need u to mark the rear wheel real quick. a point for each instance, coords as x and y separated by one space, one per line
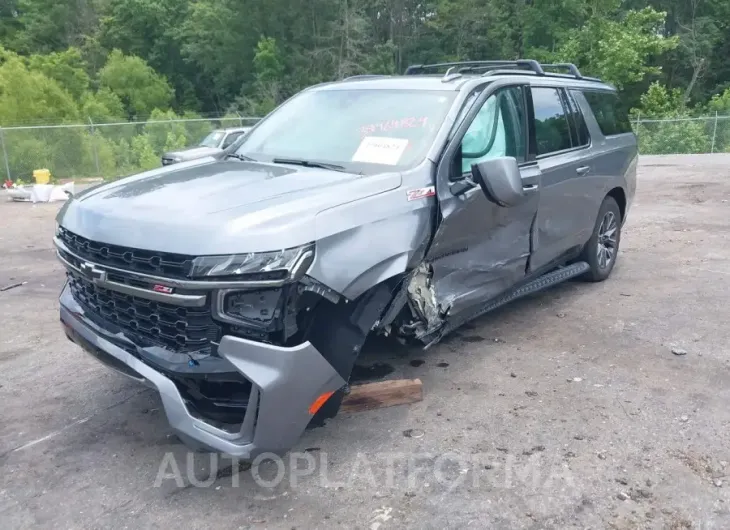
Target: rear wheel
601 250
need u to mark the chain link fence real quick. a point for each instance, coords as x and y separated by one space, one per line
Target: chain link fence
113 150
106 150
683 135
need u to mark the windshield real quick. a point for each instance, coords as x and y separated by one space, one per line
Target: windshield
212 140
364 131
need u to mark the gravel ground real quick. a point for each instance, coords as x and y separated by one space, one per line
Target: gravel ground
565 410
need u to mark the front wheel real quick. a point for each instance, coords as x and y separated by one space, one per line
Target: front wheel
601 250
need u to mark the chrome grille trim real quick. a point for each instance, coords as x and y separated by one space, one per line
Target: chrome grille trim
185 284
183 300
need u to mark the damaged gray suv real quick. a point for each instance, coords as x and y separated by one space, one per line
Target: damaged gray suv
242 286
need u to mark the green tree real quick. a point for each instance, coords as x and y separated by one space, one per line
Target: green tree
103 106
719 106
67 68
137 85
30 97
164 124
670 129
52 25
147 29
218 41
619 50
143 154
661 102
264 93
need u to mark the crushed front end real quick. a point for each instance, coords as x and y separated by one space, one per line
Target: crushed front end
228 341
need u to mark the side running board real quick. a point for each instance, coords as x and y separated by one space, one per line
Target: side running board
536 285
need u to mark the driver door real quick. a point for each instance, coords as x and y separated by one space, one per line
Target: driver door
480 249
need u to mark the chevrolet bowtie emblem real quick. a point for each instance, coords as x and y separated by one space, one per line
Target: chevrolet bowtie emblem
92 272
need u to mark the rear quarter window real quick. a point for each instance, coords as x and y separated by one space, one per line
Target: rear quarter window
610 112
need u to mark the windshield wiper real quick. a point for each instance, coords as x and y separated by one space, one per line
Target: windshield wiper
309 163
242 158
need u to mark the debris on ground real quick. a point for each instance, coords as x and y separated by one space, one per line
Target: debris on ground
382 394
413 433
12 286
679 351
641 494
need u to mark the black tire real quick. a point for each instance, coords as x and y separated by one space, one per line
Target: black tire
601 251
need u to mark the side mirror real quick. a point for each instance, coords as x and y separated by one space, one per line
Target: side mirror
500 180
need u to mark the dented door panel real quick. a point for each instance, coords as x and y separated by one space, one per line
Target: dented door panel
480 249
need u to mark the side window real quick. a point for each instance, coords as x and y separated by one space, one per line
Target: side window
552 130
230 139
610 113
581 138
497 130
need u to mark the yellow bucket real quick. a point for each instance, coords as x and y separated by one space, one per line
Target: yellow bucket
41 176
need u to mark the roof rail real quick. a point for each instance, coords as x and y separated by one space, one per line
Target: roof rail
466 66
501 67
572 69
507 71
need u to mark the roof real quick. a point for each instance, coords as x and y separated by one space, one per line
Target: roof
430 82
466 75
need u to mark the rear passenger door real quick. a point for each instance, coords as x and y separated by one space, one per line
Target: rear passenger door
563 155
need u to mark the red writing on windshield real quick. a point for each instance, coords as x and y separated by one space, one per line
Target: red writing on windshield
390 125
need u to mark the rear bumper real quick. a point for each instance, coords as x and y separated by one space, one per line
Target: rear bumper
285 382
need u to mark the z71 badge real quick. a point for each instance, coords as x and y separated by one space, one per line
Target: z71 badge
421 193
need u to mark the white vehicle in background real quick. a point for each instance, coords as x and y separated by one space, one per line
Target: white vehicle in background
212 144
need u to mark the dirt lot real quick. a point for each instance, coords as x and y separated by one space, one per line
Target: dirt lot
566 410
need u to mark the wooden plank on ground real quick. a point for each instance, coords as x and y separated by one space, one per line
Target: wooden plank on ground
382 394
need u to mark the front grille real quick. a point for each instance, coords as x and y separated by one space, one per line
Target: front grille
147 322
164 264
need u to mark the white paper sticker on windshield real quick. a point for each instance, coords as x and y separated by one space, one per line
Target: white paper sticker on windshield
380 150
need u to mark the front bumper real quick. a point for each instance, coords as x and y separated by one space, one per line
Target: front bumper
285 383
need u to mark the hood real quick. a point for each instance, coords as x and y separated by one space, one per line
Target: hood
208 206
192 153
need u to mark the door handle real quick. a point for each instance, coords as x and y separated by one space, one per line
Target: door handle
529 187
583 170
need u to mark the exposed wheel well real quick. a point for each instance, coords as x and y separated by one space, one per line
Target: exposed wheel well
619 196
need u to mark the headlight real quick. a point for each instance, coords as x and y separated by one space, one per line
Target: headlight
256 266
